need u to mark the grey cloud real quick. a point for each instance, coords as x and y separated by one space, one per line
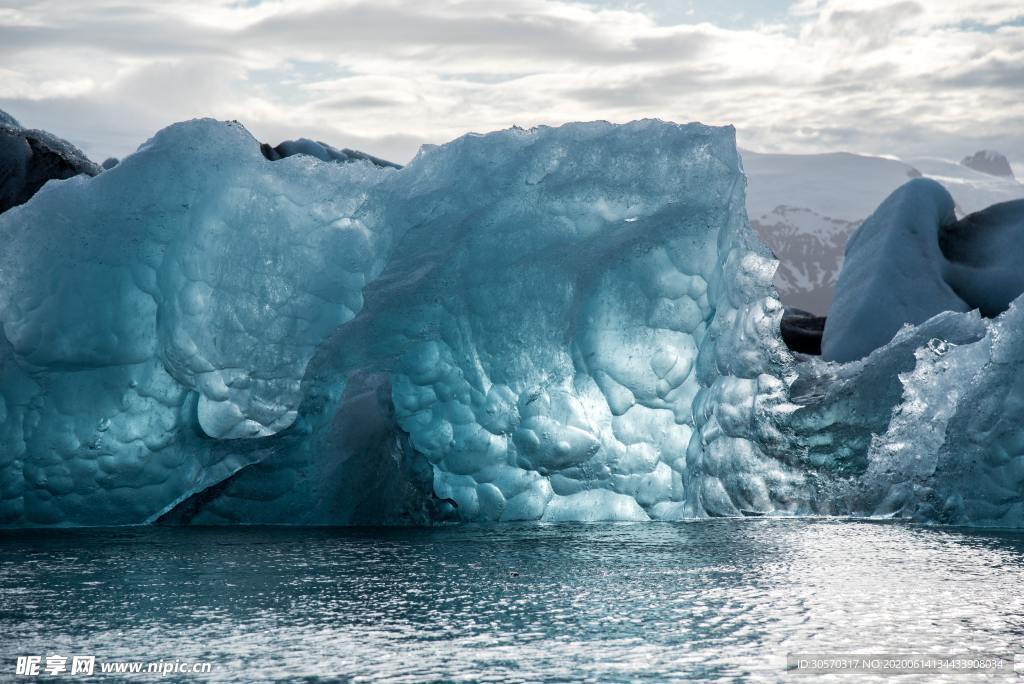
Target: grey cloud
868 29
849 79
135 33
404 34
992 72
361 102
672 46
662 88
410 33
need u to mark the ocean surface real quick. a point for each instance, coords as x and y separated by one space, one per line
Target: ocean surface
718 600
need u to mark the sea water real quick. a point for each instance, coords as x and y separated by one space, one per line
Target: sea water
722 599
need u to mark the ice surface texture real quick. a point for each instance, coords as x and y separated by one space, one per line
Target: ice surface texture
173 299
569 323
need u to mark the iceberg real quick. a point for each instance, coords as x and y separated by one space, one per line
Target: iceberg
561 323
167 304
571 323
952 451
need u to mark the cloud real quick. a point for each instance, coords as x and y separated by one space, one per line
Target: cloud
867 29
990 71
876 76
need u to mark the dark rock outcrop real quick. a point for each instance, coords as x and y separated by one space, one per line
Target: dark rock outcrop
29 158
802 331
322 151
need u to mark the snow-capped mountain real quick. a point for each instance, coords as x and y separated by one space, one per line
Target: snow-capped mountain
806 206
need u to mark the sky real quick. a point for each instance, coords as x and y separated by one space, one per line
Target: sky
908 78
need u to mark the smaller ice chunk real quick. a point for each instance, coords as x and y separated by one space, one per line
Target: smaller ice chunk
893 273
